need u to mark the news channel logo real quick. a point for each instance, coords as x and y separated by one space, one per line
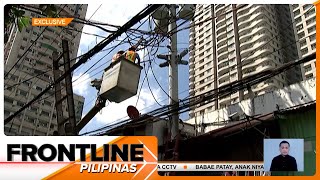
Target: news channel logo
283 155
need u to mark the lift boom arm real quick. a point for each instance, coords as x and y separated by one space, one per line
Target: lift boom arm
100 104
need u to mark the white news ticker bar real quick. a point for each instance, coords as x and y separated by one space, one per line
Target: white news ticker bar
210 167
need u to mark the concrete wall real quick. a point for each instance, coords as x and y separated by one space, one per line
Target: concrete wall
293 95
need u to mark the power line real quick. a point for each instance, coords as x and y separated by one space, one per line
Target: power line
227 89
71 59
108 125
165 108
146 11
61 54
38 75
35 76
27 51
150 88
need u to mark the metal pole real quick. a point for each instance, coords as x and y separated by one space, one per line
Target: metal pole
69 90
57 87
173 73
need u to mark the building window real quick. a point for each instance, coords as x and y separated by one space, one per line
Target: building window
304 51
313 46
23 93
8 100
34 109
21 104
298 20
312 29
309 13
312 37
233 75
45 113
297 12
307 68
48 103
310 21
303 43
307 6
309 76
299 27
294 6
39 88
26 83
301 35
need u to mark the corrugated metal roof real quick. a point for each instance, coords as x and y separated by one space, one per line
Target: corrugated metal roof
299 107
236 126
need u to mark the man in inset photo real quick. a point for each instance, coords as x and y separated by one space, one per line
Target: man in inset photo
284 162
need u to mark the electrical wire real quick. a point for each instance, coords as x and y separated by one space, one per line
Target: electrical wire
274 51
194 99
45 51
27 51
145 12
39 75
118 120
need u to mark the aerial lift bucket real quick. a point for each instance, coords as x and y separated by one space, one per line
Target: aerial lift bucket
120 81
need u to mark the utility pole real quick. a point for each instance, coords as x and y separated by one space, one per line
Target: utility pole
173 72
173 60
57 92
70 101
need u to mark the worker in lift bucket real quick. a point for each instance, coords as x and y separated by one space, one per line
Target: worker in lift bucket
132 55
117 56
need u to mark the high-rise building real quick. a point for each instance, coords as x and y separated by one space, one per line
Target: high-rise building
237 41
304 16
33 73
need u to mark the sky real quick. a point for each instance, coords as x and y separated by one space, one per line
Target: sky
110 13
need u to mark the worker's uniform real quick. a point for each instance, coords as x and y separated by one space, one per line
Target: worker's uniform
132 56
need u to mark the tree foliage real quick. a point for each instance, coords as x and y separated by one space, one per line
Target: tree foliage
15 15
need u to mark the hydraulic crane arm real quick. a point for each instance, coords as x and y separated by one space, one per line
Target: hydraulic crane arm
100 104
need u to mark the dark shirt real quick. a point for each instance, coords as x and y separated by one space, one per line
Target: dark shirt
284 163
